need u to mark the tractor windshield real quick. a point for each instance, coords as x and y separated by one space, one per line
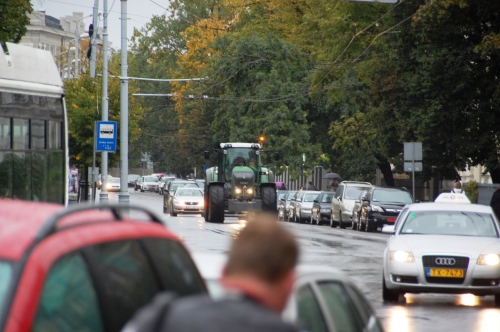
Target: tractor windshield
241 157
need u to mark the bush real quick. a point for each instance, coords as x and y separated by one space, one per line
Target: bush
470 189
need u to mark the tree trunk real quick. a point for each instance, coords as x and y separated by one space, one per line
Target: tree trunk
495 175
385 168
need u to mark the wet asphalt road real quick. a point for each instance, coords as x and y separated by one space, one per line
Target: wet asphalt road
359 255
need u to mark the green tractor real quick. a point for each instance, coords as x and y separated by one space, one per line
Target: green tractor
239 185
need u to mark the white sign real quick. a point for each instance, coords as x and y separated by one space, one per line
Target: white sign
107 131
452 198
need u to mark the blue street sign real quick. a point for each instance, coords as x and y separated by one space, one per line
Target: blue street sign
106 135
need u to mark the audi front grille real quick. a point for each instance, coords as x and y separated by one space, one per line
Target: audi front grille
450 262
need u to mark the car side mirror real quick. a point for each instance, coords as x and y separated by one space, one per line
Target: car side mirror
388 229
315 201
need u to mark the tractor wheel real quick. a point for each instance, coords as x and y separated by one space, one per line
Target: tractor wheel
216 204
205 205
268 195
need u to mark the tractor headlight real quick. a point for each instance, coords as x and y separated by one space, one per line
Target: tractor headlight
237 190
250 191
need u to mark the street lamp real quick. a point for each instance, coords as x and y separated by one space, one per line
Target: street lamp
76 48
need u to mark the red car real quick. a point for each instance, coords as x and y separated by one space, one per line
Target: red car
85 268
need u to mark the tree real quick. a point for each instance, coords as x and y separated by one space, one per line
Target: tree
14 15
83 100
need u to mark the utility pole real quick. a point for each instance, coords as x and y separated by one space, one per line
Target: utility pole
103 196
93 43
123 197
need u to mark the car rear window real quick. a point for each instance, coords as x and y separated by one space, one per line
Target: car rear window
5 278
151 179
310 197
392 196
353 192
327 198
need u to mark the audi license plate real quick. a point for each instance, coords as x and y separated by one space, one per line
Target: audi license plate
444 273
191 207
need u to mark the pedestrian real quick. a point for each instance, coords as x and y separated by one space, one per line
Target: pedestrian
310 186
334 185
457 188
258 278
301 188
495 202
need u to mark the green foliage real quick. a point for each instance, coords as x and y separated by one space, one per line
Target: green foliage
14 19
470 189
83 101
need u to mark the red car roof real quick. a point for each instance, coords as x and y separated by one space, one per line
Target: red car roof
20 222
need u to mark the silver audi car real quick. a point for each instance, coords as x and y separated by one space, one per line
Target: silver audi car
445 247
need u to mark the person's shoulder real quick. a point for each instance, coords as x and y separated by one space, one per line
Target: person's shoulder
230 313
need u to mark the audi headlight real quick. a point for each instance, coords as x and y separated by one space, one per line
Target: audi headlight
401 256
488 259
377 208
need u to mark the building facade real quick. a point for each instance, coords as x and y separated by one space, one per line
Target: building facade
59 36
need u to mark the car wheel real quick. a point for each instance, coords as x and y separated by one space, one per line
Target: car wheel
172 213
341 224
497 300
389 295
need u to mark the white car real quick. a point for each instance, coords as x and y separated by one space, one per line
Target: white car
443 248
149 183
187 201
323 298
112 184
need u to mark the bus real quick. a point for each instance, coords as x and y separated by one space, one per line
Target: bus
34 161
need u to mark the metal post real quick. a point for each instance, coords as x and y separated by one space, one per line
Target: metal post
93 163
68 66
77 49
413 172
94 38
103 196
123 197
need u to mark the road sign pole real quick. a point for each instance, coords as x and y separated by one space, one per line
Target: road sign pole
123 197
103 196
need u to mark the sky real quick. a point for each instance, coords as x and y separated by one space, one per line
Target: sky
139 13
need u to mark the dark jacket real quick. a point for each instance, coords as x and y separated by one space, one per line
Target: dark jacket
234 313
495 203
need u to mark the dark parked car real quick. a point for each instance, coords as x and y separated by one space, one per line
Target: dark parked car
291 208
85 268
168 193
131 179
280 194
381 206
138 183
284 204
322 208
